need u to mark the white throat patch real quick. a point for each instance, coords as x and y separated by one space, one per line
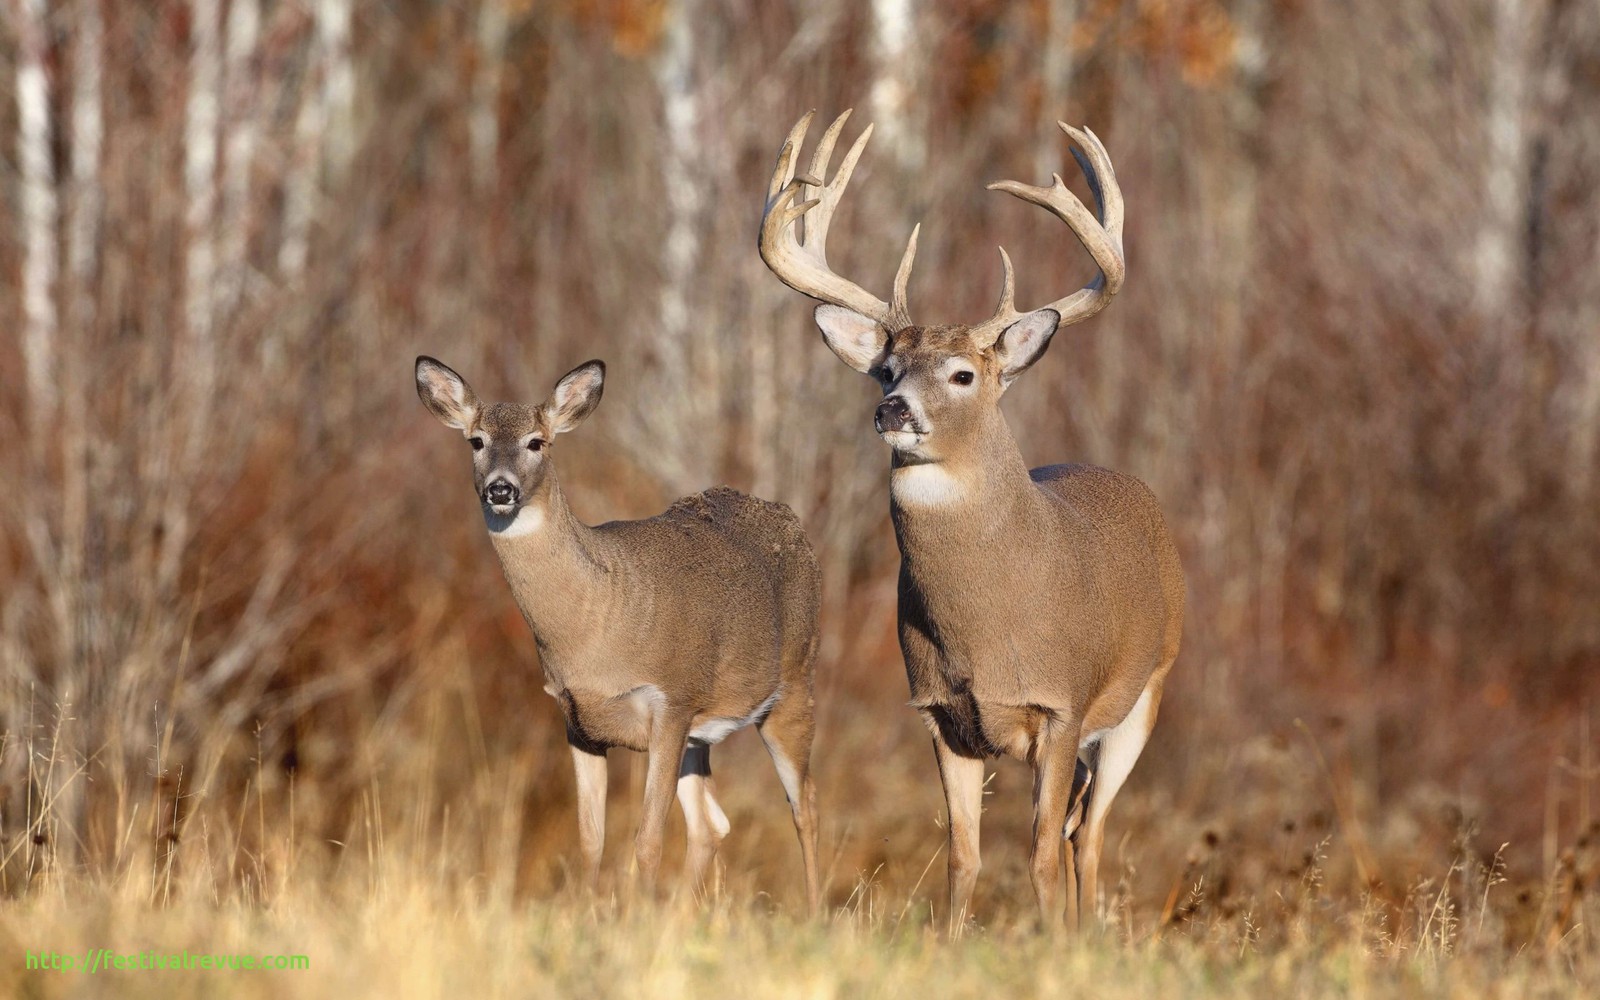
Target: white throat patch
925 485
527 521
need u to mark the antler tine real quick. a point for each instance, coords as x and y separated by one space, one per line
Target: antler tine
824 151
817 225
803 265
1005 313
788 156
1107 196
899 304
1101 236
830 193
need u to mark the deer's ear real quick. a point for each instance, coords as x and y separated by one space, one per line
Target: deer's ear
576 396
446 394
1024 342
858 340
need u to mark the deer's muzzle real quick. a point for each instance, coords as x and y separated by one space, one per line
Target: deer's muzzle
500 493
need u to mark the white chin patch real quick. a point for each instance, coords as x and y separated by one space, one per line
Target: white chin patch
926 485
901 440
525 522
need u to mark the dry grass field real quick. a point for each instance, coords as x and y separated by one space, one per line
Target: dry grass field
1265 890
1258 894
263 688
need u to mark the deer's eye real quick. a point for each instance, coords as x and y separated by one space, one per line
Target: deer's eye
477 443
961 378
535 445
884 375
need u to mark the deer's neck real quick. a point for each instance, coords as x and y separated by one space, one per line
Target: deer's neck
947 511
556 566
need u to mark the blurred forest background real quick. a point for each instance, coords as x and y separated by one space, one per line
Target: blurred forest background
245 587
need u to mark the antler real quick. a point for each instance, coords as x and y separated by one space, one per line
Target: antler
803 265
1102 237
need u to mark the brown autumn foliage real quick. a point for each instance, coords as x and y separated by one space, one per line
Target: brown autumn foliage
1356 358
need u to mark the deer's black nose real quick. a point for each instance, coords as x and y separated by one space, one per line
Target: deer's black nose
892 415
500 493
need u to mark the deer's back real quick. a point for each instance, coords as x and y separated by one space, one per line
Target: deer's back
765 538
725 580
709 608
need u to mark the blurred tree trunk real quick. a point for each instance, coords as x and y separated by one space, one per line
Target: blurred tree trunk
1056 76
893 94
321 131
194 377
41 332
689 361
1501 244
241 85
334 19
88 132
83 233
40 210
494 27
1501 293
202 117
1565 300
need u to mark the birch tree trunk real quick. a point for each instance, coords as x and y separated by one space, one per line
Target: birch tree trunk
242 84
1500 243
88 133
194 377
83 229
681 184
1056 75
40 212
894 84
483 125
333 30
202 114
325 107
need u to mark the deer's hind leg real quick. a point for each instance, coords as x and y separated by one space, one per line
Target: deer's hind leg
1118 751
1055 760
704 819
788 731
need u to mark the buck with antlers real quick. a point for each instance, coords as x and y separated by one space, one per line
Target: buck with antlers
1040 610
662 635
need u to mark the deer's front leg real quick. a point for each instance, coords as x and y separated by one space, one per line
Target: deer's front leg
963 794
591 772
669 732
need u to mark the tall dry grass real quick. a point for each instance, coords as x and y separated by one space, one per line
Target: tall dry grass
254 647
